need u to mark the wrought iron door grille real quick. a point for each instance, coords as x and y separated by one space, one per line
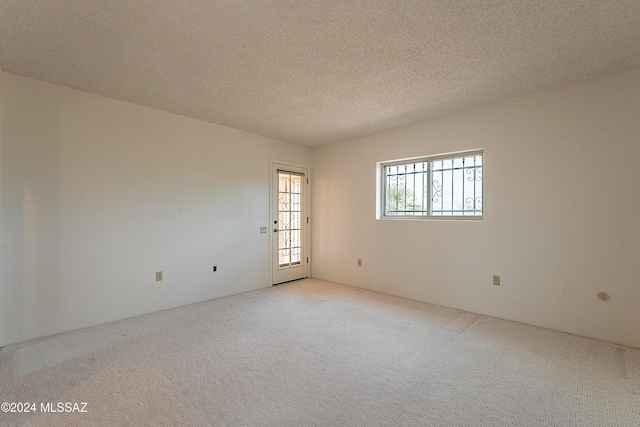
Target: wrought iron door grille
434 186
289 219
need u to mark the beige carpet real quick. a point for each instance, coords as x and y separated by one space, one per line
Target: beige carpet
312 353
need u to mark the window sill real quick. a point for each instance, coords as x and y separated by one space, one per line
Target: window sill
432 218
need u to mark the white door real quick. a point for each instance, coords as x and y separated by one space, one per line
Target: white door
289 231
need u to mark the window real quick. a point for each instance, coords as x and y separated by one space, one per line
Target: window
289 218
443 186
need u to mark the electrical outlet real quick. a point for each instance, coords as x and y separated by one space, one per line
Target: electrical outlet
603 296
359 262
215 268
566 290
263 229
158 276
496 280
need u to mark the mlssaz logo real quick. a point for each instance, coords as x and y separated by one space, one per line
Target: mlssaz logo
63 407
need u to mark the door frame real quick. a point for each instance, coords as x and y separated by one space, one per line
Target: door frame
273 207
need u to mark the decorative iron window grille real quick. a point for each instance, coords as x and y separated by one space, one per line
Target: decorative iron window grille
435 186
289 219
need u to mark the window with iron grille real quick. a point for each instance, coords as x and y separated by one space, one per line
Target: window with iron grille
443 186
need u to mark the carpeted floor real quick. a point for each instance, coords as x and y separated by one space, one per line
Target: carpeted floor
312 353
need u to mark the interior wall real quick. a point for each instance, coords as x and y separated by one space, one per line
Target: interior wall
561 181
96 195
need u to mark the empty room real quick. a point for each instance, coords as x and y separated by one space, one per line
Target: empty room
319 213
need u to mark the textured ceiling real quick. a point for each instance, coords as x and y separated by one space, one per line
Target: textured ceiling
316 72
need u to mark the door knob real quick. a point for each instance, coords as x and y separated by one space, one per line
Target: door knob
275 230
275 221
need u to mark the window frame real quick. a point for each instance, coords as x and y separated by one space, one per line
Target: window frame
381 184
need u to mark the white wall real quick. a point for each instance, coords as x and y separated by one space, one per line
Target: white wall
561 207
97 194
